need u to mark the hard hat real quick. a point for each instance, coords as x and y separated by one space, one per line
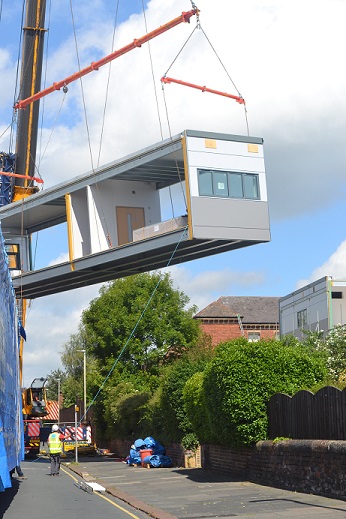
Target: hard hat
55 428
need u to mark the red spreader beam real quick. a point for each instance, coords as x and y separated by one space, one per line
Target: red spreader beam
166 79
38 180
184 17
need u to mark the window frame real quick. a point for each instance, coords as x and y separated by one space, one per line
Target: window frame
13 255
302 318
210 177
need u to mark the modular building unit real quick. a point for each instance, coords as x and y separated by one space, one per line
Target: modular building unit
194 195
319 306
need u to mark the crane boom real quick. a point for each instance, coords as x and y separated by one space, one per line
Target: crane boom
166 79
184 17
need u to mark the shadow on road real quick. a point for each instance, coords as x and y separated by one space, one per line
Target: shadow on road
7 497
208 476
315 505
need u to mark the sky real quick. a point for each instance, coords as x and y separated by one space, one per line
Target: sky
286 60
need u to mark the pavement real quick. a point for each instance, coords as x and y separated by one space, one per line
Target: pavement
168 493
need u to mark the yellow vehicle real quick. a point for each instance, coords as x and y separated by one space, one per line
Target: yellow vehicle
34 399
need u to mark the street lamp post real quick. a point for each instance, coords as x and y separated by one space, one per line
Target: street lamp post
58 402
84 381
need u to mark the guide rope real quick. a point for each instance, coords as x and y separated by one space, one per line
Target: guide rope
133 330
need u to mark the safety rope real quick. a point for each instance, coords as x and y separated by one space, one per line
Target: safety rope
108 83
87 128
198 26
133 330
82 86
44 84
181 50
168 118
17 86
176 162
223 66
152 74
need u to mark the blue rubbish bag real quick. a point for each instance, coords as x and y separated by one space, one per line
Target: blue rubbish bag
134 458
139 444
157 461
156 447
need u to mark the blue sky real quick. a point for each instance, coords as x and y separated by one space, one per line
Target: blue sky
285 58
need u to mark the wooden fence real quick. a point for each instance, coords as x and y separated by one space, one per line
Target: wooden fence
308 416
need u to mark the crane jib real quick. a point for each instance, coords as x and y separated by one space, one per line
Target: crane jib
184 17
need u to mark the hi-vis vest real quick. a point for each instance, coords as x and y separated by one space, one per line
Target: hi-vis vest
54 443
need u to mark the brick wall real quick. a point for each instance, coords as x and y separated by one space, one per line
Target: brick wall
221 331
122 449
309 466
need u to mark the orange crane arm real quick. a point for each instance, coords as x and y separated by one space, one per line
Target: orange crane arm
166 79
184 17
7 174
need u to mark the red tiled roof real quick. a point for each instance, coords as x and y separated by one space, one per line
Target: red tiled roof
251 309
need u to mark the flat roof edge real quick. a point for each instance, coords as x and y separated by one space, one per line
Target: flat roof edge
305 287
224 136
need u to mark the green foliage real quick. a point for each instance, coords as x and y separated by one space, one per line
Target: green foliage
335 344
174 419
142 319
123 404
72 383
196 407
127 415
52 383
243 376
190 442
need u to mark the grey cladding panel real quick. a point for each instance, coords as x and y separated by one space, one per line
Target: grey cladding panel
230 219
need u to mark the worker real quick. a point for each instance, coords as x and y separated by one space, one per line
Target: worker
55 448
19 471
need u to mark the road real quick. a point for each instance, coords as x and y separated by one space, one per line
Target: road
41 496
138 492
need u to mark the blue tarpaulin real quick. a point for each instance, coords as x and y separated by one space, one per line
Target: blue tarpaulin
11 418
156 460
158 457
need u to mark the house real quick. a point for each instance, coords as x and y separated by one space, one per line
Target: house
230 317
318 306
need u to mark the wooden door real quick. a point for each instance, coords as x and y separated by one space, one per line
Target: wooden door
128 219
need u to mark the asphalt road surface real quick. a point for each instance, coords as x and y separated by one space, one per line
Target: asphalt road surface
138 492
41 496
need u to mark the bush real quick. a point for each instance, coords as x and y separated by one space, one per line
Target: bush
195 406
168 404
242 377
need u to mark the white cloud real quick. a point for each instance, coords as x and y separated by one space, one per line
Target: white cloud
50 322
205 287
335 266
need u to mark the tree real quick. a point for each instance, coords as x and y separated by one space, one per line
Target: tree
72 358
335 343
241 378
141 319
52 384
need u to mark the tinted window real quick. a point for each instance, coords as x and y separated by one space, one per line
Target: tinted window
205 183
228 184
235 185
250 183
220 186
